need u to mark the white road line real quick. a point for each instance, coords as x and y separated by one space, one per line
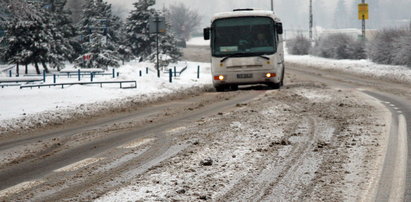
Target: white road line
136 144
396 108
392 105
399 182
79 165
20 187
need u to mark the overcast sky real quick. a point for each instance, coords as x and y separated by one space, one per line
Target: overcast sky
294 13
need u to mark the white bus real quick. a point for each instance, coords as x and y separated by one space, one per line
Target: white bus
246 48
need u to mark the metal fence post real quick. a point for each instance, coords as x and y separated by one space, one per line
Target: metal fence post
78 74
44 76
118 74
54 78
175 71
146 70
91 76
170 75
114 73
141 73
10 74
198 72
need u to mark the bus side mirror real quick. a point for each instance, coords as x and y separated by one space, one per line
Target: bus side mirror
279 27
206 33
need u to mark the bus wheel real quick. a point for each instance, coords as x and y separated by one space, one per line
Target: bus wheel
275 85
234 87
220 88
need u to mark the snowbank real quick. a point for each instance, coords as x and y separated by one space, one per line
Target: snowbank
361 67
23 104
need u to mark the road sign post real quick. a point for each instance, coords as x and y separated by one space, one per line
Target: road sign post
363 15
157 26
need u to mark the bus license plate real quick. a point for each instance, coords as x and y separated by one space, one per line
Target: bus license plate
244 76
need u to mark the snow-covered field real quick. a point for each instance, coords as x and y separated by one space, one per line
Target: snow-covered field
361 67
18 103
198 41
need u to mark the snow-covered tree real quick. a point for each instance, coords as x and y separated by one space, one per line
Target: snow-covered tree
402 50
124 49
137 29
380 48
391 46
300 45
339 46
36 35
61 41
99 30
22 39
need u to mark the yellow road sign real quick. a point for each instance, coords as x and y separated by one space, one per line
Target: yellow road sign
363 11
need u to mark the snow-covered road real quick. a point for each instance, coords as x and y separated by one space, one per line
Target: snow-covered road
319 138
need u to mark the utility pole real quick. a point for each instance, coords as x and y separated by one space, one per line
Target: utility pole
157 21
363 23
272 5
311 20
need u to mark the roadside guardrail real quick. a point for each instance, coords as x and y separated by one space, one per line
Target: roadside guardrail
122 83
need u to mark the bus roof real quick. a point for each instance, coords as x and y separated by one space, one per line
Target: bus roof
246 13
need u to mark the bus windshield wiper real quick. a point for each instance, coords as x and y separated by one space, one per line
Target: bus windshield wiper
233 55
265 57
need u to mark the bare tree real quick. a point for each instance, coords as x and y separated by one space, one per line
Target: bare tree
183 20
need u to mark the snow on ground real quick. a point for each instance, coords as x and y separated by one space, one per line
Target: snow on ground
18 103
198 41
361 67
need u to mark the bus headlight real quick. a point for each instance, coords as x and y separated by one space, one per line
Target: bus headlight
219 78
270 75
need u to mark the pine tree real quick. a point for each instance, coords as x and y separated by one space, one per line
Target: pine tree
36 35
23 36
61 41
137 29
340 17
100 41
124 49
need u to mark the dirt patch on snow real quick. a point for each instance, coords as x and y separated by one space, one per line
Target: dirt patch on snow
296 144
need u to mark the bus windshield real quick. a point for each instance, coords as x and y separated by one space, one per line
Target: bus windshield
243 36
